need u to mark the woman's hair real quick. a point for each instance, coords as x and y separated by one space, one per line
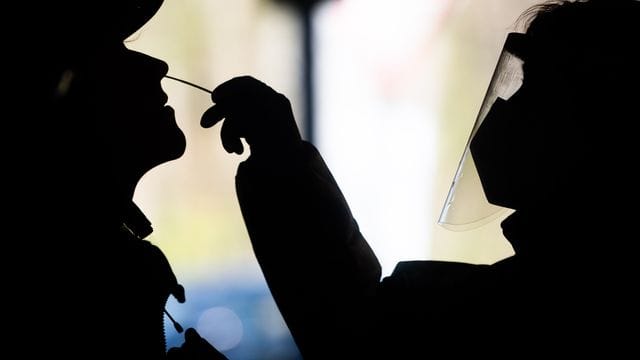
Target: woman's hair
523 22
596 33
585 56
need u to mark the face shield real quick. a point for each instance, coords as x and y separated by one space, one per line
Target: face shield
466 206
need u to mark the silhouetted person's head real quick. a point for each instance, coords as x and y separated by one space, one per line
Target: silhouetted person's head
105 114
565 137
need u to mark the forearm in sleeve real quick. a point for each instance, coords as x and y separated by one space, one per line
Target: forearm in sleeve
322 273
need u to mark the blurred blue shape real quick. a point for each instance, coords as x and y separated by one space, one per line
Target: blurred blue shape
263 332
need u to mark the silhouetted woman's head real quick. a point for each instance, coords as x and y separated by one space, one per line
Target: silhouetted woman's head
565 135
98 114
104 108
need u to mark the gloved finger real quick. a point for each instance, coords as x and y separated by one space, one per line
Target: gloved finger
196 344
191 335
175 354
212 116
237 88
230 135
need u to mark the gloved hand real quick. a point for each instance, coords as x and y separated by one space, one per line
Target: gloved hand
194 348
254 111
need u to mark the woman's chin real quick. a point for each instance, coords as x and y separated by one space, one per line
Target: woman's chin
175 142
172 148
180 146
175 148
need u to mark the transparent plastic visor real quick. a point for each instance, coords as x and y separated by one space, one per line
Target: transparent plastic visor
466 206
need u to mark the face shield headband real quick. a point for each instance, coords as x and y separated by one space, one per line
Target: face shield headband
466 206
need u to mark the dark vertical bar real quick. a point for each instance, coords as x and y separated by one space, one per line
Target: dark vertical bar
305 11
307 70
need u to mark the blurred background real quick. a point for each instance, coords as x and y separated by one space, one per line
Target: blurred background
388 90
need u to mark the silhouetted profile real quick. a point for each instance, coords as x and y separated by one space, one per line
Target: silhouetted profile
94 288
559 151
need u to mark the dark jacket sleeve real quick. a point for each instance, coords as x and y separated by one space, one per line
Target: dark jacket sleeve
322 273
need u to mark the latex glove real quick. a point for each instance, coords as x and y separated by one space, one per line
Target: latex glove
194 348
254 111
